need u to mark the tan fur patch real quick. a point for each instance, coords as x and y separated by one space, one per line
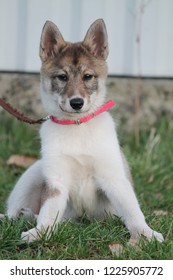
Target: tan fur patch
48 193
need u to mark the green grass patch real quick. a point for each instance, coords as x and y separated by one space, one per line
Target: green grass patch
151 164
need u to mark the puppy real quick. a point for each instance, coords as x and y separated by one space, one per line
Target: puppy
82 168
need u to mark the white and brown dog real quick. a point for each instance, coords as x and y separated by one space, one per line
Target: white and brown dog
82 168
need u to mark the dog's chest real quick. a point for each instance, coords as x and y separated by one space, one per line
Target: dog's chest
80 149
83 190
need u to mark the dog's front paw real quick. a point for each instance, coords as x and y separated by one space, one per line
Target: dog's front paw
150 234
159 237
147 232
30 235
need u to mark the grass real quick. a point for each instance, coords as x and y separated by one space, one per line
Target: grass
151 164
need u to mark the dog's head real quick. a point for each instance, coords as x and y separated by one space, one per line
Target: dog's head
73 74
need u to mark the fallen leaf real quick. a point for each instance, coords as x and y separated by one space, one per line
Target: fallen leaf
21 161
160 213
151 179
116 248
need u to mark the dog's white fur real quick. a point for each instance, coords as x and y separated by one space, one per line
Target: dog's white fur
82 169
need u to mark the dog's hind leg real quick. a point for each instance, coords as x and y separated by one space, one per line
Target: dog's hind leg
27 192
28 214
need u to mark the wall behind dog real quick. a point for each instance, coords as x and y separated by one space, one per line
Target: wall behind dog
140 32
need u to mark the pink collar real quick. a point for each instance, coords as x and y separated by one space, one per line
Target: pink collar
100 110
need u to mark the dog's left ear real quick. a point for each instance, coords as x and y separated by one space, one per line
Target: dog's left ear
51 41
96 39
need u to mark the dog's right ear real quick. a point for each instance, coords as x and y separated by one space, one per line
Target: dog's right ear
51 41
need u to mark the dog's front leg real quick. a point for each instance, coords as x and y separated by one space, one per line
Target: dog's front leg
50 215
118 189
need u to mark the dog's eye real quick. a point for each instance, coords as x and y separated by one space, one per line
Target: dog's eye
62 77
87 77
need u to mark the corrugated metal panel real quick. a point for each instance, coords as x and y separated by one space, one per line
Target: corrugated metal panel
21 22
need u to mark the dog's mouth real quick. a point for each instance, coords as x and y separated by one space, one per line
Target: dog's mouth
72 112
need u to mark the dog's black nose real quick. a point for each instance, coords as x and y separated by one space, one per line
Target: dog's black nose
77 103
